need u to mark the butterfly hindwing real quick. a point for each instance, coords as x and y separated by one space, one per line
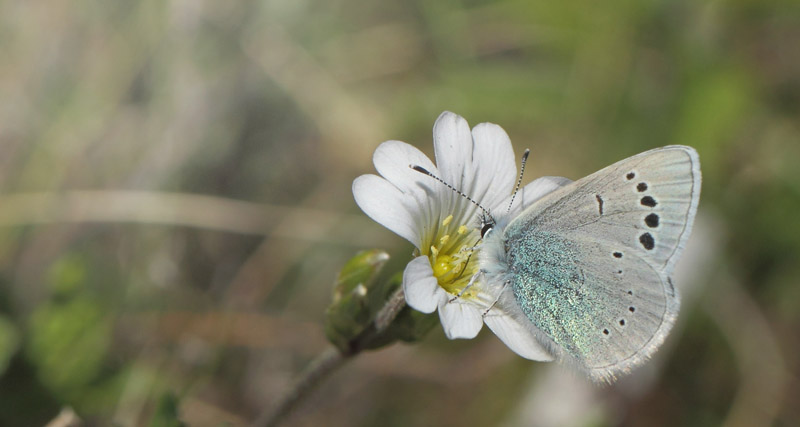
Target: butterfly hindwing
592 260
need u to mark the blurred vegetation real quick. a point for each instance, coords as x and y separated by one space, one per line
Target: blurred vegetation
175 200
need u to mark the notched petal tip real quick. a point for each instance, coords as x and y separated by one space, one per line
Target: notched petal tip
495 166
447 115
452 145
393 152
449 125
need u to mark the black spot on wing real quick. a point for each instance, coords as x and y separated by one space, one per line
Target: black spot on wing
648 201
651 220
647 240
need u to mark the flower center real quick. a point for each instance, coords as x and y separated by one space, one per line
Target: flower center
452 258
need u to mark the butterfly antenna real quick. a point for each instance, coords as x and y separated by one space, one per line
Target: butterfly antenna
519 181
424 171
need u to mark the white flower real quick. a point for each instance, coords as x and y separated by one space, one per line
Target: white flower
444 226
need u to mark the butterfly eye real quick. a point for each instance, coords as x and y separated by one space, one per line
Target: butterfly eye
487 227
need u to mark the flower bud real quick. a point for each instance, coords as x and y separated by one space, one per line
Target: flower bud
351 313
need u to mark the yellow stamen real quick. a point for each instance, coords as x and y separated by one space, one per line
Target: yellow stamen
447 220
451 258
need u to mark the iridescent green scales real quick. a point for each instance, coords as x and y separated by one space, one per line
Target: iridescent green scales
551 288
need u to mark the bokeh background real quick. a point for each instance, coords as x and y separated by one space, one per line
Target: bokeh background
175 200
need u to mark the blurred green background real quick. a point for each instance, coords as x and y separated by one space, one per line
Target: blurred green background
175 200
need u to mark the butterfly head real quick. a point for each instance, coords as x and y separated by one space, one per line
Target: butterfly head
487 224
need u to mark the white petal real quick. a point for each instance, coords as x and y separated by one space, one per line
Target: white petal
534 191
495 167
460 319
392 160
516 336
388 206
452 144
540 187
421 288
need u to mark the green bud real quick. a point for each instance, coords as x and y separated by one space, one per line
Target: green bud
358 297
351 312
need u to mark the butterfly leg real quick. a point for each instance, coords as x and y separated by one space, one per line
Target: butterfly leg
496 299
469 285
470 248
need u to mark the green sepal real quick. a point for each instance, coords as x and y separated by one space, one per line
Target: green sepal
409 326
351 311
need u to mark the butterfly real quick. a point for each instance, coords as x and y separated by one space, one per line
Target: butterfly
588 266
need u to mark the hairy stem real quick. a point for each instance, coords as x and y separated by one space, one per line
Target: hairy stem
328 361
325 364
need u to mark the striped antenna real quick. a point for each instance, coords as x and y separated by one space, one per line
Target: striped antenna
424 171
519 181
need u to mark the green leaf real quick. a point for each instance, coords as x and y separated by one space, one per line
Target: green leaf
166 413
68 342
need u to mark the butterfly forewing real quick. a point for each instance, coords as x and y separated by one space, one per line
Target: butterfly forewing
592 259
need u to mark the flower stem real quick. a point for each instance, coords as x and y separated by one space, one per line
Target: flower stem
328 361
